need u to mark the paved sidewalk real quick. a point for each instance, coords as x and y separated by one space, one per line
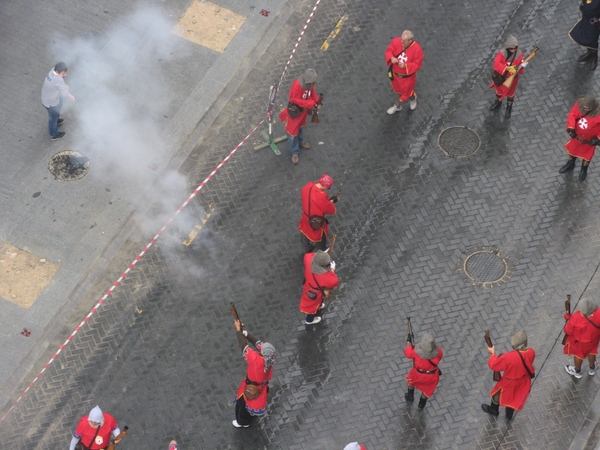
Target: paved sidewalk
143 99
162 356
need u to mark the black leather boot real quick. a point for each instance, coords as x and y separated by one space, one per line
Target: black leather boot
587 55
509 413
496 105
594 60
410 395
584 168
570 165
491 409
508 112
422 402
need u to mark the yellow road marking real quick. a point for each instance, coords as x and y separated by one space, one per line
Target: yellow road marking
198 227
334 33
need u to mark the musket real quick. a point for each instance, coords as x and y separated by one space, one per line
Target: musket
315 110
488 341
568 311
329 251
336 195
236 316
510 78
411 336
121 435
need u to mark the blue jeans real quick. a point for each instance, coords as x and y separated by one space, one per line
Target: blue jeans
53 115
295 142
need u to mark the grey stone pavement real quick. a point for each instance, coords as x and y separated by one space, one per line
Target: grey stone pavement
161 355
130 76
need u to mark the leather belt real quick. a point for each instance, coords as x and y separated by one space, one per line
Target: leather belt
427 372
248 381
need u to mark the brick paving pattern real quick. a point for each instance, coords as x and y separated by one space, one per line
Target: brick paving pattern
161 355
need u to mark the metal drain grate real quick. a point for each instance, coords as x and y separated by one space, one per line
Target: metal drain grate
69 165
459 142
485 267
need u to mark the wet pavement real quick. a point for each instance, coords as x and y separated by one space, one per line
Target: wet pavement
493 240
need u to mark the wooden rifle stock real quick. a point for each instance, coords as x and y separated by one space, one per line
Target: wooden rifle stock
235 315
488 341
315 110
510 78
329 251
568 311
121 435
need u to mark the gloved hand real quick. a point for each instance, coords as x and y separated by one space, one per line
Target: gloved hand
511 69
524 64
571 132
595 141
408 338
332 265
567 316
334 200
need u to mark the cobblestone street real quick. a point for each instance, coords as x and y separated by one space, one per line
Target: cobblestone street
161 354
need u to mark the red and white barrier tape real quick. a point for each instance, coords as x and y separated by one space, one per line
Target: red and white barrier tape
310 16
154 239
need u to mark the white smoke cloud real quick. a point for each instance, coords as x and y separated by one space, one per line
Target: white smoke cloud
120 81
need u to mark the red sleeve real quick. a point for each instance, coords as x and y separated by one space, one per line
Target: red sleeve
409 351
571 325
415 58
496 363
574 114
322 202
518 61
327 280
283 115
81 426
394 49
500 63
296 93
111 421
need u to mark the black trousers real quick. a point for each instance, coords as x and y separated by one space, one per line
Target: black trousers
242 415
309 246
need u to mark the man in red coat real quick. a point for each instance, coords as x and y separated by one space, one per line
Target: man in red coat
404 56
313 225
508 61
425 374
319 280
302 98
583 125
517 366
583 336
94 430
251 398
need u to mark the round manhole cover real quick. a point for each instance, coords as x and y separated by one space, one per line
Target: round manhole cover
485 267
459 142
69 165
